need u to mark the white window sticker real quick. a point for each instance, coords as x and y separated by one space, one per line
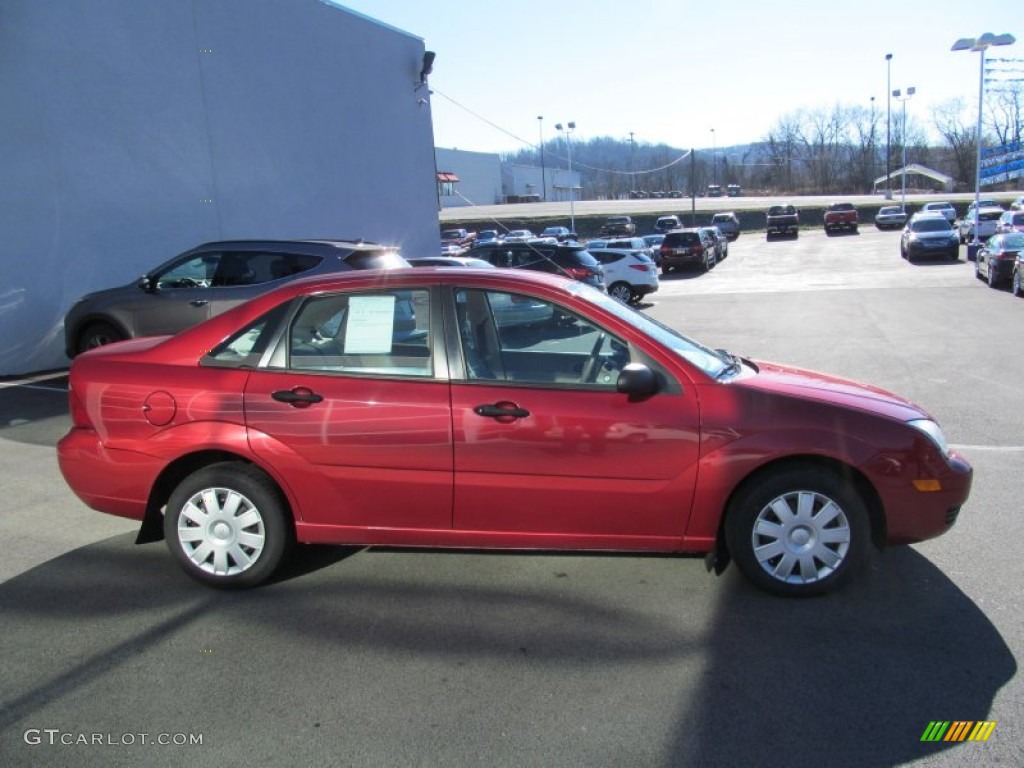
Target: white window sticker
371 322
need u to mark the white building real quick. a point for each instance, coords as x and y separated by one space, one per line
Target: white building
131 131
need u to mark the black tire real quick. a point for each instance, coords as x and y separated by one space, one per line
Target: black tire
992 281
248 541
98 334
815 555
621 291
977 270
1018 284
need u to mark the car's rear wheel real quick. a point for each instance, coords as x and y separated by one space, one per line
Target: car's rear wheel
621 291
97 335
991 277
1018 288
227 525
800 532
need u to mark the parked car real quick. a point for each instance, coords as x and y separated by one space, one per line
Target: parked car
629 275
989 212
1010 221
782 220
1017 204
561 234
291 417
460 237
998 257
1017 283
518 236
448 261
207 280
665 223
618 225
727 222
839 216
691 247
929 234
487 236
890 217
566 259
721 242
946 209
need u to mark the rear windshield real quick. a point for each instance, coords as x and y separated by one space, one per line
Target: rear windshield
721 217
781 210
382 259
681 237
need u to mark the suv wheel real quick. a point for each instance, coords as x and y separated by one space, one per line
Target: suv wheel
621 291
97 335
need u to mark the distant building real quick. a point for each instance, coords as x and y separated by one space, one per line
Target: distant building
480 178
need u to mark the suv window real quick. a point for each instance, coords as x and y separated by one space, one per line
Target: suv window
382 259
781 210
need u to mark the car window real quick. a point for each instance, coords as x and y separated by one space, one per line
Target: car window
936 224
245 348
560 349
379 333
382 259
190 272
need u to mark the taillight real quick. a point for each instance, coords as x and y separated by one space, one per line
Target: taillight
639 267
579 273
79 416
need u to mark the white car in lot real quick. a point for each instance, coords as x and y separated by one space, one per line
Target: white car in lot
989 212
946 209
629 274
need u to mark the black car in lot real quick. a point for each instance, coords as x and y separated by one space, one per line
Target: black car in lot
998 258
207 280
566 259
929 235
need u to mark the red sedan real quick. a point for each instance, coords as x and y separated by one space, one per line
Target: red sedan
400 408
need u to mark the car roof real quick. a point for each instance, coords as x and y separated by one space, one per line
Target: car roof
353 243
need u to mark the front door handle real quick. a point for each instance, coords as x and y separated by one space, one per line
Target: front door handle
504 411
298 397
199 302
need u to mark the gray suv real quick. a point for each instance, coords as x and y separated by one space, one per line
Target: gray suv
208 280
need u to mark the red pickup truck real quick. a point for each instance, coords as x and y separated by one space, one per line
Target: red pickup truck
841 216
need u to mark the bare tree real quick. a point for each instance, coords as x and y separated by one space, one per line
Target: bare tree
949 120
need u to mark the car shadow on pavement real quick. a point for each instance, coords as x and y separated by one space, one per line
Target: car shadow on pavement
712 671
852 679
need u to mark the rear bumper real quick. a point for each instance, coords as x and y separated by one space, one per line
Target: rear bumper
108 480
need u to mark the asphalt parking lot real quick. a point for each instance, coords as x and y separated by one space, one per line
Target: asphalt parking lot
383 657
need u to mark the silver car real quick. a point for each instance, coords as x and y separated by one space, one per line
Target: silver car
206 281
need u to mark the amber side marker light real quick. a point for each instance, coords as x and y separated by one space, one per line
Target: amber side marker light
928 486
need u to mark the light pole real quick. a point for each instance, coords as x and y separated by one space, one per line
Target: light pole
980 44
543 176
871 145
903 140
714 158
567 132
632 165
888 125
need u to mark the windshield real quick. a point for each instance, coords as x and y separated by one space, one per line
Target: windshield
707 360
931 225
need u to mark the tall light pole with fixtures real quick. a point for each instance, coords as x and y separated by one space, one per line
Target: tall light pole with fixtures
903 139
888 125
980 45
567 132
543 175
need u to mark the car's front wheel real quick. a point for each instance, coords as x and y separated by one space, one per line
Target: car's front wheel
228 526
1018 288
797 533
621 291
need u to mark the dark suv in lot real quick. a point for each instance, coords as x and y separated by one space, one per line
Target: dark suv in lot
692 247
566 259
618 225
208 280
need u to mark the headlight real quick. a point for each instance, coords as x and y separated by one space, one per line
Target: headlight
934 433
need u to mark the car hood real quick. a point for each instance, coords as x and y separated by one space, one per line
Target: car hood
821 387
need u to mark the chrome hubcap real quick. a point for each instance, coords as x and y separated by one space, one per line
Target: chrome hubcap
801 537
221 531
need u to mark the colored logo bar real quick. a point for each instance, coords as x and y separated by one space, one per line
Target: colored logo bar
958 730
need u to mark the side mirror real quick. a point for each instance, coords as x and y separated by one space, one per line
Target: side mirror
146 283
637 380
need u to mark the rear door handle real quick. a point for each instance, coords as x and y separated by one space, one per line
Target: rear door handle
199 302
298 397
504 411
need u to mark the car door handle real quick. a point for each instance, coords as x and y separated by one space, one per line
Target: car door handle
503 411
199 302
299 397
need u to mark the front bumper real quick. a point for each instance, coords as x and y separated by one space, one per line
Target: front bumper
913 515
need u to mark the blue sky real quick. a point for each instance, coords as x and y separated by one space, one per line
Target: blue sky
672 70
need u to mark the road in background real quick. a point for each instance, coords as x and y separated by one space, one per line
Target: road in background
380 657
